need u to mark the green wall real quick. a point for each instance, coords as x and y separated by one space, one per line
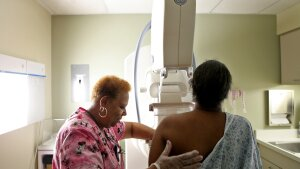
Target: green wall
25 32
102 41
247 44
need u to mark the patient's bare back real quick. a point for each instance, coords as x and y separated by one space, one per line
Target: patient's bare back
198 130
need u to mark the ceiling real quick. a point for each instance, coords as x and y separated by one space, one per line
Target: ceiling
87 7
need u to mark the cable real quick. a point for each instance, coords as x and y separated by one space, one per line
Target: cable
146 29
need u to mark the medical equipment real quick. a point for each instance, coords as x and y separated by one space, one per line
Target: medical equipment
25 79
160 73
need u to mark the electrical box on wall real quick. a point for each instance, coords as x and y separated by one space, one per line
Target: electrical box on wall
80 82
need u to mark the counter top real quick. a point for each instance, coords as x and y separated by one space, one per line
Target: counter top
264 137
47 145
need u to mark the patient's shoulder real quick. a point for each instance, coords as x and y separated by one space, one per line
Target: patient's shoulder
238 122
242 120
168 121
172 122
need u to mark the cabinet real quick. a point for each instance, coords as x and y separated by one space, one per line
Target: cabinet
290 57
268 165
271 159
45 150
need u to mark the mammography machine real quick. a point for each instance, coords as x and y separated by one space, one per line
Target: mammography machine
160 73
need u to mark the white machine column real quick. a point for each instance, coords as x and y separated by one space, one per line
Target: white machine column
172 37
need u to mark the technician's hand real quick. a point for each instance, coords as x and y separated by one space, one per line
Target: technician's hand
189 160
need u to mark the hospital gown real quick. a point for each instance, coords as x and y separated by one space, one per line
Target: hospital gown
237 149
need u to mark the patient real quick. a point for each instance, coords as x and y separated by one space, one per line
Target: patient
225 140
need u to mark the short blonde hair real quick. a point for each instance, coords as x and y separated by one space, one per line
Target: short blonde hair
110 86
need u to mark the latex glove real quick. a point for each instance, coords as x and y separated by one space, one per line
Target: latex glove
189 160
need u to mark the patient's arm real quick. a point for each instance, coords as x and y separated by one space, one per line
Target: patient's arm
158 144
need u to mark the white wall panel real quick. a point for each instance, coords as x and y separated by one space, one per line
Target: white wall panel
22 93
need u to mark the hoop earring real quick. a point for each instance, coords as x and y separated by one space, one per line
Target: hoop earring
101 109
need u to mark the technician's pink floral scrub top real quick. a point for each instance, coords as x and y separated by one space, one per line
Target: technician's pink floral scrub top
81 144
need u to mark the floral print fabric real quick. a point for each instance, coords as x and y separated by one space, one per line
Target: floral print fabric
81 144
237 149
